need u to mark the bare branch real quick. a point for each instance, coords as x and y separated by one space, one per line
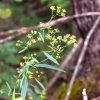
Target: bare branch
52 23
97 98
81 57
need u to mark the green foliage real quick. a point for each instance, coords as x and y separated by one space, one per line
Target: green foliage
30 64
7 52
18 0
24 88
75 94
9 89
51 58
13 96
40 84
33 94
41 36
5 13
60 3
49 67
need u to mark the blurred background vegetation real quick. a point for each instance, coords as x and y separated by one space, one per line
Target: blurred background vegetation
16 14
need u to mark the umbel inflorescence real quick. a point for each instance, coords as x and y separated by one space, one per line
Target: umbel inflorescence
30 65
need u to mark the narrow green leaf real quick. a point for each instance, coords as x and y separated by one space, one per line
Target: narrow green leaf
35 59
18 0
3 91
41 36
24 88
21 83
40 84
33 94
49 67
51 58
22 50
53 48
13 96
25 68
36 89
9 89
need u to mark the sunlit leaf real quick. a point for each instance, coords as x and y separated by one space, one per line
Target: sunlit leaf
51 58
13 96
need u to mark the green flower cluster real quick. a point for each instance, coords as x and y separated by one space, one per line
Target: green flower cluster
55 45
52 37
58 10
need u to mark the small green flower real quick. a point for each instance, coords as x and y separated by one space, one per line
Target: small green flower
63 10
41 23
29 36
24 57
52 8
29 43
21 64
35 32
33 40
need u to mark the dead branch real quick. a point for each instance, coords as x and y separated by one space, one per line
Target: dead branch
52 23
97 98
65 63
24 30
81 57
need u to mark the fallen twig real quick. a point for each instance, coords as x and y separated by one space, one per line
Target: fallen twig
81 57
97 98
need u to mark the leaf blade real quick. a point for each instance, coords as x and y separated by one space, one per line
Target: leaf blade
40 84
13 96
49 67
24 88
22 50
33 94
51 58
41 36
9 89
35 59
